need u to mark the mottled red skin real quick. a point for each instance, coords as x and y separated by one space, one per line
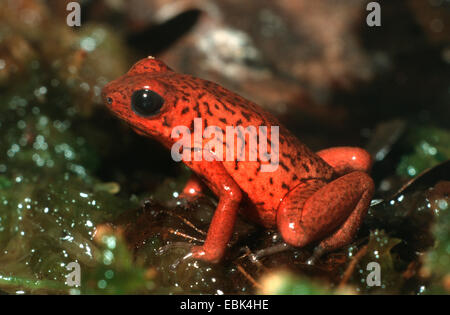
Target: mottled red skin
310 197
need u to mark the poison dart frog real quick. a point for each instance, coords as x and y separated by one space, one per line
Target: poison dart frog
311 197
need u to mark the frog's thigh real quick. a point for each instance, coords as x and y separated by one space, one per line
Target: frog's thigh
345 160
335 209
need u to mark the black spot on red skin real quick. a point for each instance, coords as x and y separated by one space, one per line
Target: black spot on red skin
197 109
185 110
258 169
287 169
226 107
207 108
271 181
284 186
224 120
246 115
290 158
165 123
305 166
269 142
175 102
189 83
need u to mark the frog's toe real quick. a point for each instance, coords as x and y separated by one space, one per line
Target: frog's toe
175 245
311 261
188 197
318 252
275 249
198 252
211 256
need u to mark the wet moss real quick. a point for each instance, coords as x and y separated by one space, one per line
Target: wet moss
427 146
286 283
50 202
437 259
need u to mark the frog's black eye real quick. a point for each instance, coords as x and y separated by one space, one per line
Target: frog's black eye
146 103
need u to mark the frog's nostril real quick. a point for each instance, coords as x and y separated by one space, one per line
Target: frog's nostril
106 98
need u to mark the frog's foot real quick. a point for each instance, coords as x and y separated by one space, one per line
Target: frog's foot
330 213
176 245
164 249
195 252
345 160
212 255
275 249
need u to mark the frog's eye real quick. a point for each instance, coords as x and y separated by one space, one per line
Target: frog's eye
146 103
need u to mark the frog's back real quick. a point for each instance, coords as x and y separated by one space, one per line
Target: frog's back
264 189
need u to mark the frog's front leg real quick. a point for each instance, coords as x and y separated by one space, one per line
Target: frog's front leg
222 224
329 212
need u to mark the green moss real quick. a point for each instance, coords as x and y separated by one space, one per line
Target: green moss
286 283
429 146
115 272
437 259
49 204
379 251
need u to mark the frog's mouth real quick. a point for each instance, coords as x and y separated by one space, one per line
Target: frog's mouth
140 131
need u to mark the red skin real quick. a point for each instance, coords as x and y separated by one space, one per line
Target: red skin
311 197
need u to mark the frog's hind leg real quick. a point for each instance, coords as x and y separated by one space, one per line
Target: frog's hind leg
345 160
330 213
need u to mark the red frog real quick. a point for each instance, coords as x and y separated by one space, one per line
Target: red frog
311 197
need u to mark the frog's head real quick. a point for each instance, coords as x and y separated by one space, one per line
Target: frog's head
145 97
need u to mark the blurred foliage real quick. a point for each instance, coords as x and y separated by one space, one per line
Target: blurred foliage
378 250
50 203
283 283
428 145
437 259
115 272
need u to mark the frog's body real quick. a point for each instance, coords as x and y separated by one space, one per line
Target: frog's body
310 196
